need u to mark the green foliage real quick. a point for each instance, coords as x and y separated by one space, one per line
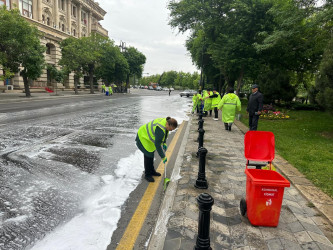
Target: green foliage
20 48
324 82
55 74
178 80
135 60
233 40
113 65
275 84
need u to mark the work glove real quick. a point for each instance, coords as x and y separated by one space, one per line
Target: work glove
164 160
165 147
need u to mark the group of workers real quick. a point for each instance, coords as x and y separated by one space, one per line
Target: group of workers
107 89
209 100
152 136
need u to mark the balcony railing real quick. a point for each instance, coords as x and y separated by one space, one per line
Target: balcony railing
96 27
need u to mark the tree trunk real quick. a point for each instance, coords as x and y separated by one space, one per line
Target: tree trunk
76 80
239 80
91 78
26 86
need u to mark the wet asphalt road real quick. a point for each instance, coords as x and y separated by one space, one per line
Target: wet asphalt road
53 153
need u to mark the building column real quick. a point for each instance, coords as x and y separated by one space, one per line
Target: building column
79 20
89 23
69 16
56 14
34 10
39 10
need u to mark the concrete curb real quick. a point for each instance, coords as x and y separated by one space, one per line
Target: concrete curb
317 198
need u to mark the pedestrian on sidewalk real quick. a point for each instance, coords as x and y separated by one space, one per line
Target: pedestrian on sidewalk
196 99
208 101
152 136
216 98
254 107
229 104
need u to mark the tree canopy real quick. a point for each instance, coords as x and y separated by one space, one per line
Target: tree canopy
242 41
20 48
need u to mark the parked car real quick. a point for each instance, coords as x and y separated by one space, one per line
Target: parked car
188 93
158 88
150 88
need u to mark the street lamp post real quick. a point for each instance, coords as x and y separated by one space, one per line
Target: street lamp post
123 48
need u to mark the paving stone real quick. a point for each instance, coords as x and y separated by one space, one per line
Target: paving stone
274 244
220 218
172 244
311 227
296 227
287 244
303 237
187 244
310 246
320 238
324 246
172 234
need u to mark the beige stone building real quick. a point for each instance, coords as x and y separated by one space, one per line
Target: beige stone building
57 20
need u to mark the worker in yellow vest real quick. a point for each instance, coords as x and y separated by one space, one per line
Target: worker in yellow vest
208 102
150 137
196 99
229 103
103 88
110 90
216 98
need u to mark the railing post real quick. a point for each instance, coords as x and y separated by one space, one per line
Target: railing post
201 137
205 203
200 115
201 181
201 122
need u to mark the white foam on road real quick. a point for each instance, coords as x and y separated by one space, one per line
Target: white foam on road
93 228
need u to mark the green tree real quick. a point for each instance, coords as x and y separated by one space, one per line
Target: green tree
113 65
92 49
20 48
135 60
324 81
72 59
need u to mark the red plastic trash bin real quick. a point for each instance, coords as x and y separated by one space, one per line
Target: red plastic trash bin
264 195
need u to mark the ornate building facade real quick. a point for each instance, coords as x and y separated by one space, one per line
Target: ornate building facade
58 20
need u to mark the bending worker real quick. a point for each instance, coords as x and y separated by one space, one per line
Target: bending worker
152 136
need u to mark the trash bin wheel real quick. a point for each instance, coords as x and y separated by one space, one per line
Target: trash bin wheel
243 207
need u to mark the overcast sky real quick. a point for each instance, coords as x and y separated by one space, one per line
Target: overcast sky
143 24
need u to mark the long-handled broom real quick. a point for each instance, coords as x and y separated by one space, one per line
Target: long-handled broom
166 180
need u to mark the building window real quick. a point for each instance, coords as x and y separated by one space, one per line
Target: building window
63 27
74 11
62 4
26 8
6 3
74 32
48 21
48 49
84 17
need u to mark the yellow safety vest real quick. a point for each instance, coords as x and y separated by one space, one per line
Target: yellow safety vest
146 133
216 100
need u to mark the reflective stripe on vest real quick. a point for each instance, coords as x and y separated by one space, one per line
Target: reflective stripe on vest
152 130
230 103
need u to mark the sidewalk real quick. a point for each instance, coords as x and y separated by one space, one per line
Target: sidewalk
301 224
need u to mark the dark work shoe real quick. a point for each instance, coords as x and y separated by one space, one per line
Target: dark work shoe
149 178
156 174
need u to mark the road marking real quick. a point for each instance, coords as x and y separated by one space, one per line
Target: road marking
134 227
